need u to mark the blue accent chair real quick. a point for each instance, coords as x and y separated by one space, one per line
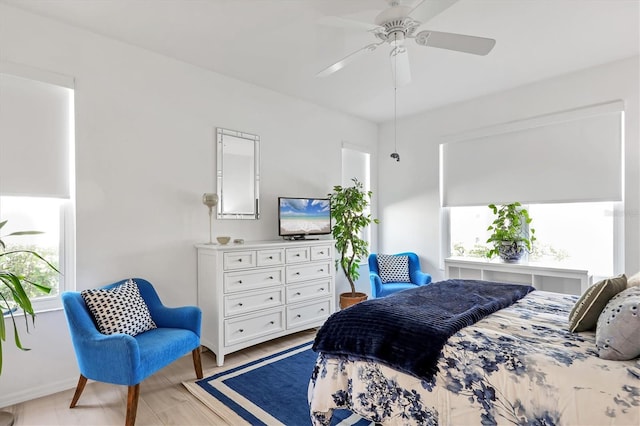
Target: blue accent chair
127 360
378 289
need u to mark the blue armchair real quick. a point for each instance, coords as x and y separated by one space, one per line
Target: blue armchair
380 289
127 360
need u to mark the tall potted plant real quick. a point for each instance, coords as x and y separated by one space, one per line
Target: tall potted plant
510 233
348 211
14 295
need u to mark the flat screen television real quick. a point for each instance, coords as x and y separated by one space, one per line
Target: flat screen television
299 218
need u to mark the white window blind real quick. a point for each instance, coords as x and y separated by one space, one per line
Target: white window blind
573 156
35 133
355 164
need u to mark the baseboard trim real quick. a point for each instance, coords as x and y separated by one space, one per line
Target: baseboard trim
38 392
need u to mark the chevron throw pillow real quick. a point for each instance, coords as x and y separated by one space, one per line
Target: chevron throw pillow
119 309
393 268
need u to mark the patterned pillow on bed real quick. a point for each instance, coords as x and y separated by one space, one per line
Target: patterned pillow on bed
618 331
393 268
585 313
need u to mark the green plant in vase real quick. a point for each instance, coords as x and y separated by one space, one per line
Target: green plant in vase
348 211
14 286
510 236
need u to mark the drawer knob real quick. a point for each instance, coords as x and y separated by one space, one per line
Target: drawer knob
321 309
298 293
321 288
240 304
241 330
297 273
239 281
271 298
298 316
240 260
321 270
271 322
270 278
297 254
321 252
270 257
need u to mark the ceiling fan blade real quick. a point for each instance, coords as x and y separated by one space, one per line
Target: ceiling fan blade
458 42
347 59
427 9
400 68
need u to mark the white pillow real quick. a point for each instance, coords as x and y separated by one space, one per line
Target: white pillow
634 280
618 331
120 309
393 268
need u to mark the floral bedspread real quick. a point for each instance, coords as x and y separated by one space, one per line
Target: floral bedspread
519 366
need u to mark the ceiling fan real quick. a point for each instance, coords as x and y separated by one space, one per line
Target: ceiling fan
398 23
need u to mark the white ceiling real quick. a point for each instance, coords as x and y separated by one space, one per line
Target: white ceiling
282 44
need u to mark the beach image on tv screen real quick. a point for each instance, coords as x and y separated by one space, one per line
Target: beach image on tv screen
304 216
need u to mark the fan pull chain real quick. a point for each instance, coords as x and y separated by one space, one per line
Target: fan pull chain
395 154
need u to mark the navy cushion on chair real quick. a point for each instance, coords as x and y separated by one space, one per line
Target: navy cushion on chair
393 268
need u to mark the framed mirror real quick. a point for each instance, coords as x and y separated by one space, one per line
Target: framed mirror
238 174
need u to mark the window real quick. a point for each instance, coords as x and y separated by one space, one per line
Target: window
45 215
356 164
580 235
37 175
548 163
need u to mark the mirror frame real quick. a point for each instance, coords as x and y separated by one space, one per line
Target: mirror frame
222 213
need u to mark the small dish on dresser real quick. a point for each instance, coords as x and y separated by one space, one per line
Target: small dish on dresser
223 240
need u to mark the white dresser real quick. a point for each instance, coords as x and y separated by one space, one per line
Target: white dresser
253 292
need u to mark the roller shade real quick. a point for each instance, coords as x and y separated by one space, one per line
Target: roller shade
35 132
574 156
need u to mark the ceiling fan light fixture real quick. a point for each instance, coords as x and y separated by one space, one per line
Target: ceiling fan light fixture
396 38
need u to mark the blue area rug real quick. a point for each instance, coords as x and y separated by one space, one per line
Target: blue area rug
271 390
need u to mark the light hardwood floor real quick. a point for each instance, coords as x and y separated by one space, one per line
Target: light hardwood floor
163 398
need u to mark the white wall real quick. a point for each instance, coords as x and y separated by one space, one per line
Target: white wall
408 204
144 156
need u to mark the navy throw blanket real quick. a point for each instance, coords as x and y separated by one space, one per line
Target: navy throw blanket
408 329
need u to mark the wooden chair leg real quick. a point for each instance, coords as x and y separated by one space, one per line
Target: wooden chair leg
132 404
79 388
197 363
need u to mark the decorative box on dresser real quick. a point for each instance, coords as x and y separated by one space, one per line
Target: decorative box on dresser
257 291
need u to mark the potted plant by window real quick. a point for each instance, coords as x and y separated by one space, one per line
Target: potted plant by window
511 236
348 211
15 288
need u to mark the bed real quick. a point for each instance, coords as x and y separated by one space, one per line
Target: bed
517 365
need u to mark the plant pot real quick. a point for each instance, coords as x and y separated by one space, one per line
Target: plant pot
512 251
349 299
6 418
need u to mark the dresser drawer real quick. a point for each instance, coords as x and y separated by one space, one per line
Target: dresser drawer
252 279
297 254
241 303
308 313
270 257
320 252
306 272
250 327
306 291
239 260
